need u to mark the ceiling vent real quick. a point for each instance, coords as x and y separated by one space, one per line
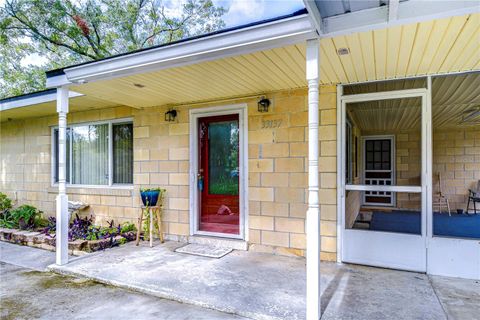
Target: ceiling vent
343 51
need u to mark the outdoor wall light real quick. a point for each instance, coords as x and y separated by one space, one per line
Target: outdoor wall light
263 105
170 115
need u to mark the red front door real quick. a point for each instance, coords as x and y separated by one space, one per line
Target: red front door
218 176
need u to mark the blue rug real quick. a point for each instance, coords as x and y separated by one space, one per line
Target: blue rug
458 225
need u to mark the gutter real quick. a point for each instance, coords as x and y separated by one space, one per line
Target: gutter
279 32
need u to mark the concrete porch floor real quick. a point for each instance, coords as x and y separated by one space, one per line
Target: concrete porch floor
263 286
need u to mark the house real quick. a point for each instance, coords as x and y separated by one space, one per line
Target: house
329 133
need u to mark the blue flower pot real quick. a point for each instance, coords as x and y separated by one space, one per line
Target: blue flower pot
150 198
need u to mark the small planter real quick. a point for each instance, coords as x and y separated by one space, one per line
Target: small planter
150 197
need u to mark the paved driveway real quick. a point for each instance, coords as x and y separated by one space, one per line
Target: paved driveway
253 285
30 294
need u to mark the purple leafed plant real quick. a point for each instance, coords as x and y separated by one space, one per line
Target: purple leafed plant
83 228
79 228
51 226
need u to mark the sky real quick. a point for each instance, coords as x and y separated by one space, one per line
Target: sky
239 12
245 11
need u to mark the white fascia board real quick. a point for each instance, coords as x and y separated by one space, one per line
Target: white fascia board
393 10
57 81
314 14
407 12
241 41
25 102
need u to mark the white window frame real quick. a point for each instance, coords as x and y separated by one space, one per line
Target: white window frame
110 184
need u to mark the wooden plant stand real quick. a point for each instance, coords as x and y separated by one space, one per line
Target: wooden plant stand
154 213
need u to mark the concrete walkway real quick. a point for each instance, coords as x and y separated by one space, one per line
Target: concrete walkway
29 294
27 257
262 286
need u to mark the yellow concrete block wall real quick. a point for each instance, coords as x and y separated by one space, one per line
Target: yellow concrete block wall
25 173
277 148
456 156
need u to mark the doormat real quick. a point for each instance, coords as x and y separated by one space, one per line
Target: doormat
204 251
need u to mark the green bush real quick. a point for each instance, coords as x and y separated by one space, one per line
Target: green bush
5 203
128 227
25 217
6 219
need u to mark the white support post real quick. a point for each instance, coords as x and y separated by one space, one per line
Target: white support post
62 198
313 213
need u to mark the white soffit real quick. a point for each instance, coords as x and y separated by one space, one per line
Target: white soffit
331 22
29 101
440 46
269 35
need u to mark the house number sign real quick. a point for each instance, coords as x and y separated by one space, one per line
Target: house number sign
268 124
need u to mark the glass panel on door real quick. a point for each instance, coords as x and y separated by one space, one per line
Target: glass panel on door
218 176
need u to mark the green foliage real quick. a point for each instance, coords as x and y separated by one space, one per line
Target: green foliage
40 221
128 227
5 202
97 232
228 188
7 220
146 223
153 189
57 33
24 217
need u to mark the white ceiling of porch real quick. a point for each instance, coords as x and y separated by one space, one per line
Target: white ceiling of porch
454 98
432 47
81 103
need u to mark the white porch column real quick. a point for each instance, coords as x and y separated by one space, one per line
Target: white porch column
313 213
62 199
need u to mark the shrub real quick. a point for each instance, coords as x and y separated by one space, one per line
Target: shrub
79 228
51 226
128 227
25 217
7 220
5 203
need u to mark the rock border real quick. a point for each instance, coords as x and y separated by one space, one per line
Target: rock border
40 240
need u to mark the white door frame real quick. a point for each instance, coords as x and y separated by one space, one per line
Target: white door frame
385 249
390 137
448 256
195 114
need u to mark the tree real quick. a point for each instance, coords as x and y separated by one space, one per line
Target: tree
65 32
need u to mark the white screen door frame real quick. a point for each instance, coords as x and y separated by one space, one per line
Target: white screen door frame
377 248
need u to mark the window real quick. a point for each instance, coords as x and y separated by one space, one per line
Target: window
98 154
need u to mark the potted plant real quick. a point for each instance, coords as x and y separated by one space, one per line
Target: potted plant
150 196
